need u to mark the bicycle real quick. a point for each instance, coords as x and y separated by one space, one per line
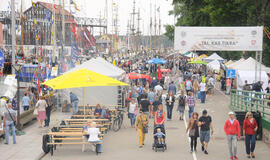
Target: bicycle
118 121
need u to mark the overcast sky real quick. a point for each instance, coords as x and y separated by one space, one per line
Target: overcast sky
92 8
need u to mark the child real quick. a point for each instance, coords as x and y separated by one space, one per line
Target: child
159 135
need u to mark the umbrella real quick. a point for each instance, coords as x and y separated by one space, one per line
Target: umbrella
134 75
197 62
157 61
82 78
166 70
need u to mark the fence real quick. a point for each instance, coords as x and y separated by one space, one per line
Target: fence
252 101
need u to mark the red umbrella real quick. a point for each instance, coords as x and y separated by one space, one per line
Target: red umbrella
134 75
159 76
166 70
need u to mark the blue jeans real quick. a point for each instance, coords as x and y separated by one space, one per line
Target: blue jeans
169 111
75 107
203 95
190 111
132 118
98 146
8 126
250 142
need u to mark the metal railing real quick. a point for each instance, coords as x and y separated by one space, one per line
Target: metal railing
252 101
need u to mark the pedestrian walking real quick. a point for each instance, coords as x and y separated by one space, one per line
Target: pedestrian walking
172 88
246 89
74 100
232 130
49 102
196 86
41 108
191 103
203 91
188 85
151 99
9 122
250 128
193 130
159 117
205 123
170 103
132 112
182 105
228 86
144 105
142 127
25 102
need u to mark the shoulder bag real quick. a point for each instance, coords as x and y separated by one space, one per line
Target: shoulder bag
11 117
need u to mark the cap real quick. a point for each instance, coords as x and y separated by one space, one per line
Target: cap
230 113
204 111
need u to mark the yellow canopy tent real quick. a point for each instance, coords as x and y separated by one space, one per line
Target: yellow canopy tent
82 78
202 56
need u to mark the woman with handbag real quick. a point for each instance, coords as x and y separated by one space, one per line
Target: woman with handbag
142 127
193 131
41 110
132 112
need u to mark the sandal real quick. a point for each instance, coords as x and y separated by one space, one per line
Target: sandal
248 156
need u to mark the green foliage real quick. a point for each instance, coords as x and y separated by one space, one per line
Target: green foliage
223 13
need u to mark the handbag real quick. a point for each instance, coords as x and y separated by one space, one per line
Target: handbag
192 132
145 129
35 112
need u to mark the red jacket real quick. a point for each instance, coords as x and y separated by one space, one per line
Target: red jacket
232 129
249 127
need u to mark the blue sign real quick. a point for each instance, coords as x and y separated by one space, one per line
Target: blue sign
2 58
230 73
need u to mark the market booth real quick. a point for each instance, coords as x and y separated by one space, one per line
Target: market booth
98 94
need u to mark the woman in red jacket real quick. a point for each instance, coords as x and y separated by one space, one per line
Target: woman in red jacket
250 128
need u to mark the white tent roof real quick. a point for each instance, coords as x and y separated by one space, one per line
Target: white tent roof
235 63
214 56
249 65
101 66
214 65
242 76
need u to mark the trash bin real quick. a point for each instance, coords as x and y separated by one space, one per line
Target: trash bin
240 116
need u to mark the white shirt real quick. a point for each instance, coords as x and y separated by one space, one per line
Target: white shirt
202 86
158 88
93 134
132 107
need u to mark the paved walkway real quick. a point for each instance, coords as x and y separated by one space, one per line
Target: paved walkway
29 146
123 145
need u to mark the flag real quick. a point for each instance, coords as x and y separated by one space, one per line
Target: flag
71 2
75 6
2 58
158 9
48 15
39 89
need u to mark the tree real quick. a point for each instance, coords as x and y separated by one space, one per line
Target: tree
223 13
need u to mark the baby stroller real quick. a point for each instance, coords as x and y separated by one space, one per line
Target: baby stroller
156 145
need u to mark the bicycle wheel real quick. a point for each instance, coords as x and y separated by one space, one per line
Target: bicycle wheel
120 122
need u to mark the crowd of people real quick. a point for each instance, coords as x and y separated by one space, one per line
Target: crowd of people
183 87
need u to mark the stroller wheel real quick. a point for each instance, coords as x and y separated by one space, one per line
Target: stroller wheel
163 149
155 149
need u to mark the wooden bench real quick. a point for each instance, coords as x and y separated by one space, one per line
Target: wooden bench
75 135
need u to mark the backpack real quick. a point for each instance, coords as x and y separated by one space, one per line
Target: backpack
182 101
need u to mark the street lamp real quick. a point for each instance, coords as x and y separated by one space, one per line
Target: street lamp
17 67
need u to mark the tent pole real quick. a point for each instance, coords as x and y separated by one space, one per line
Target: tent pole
256 58
260 77
83 101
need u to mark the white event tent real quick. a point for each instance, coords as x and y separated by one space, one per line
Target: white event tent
105 94
213 57
214 65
